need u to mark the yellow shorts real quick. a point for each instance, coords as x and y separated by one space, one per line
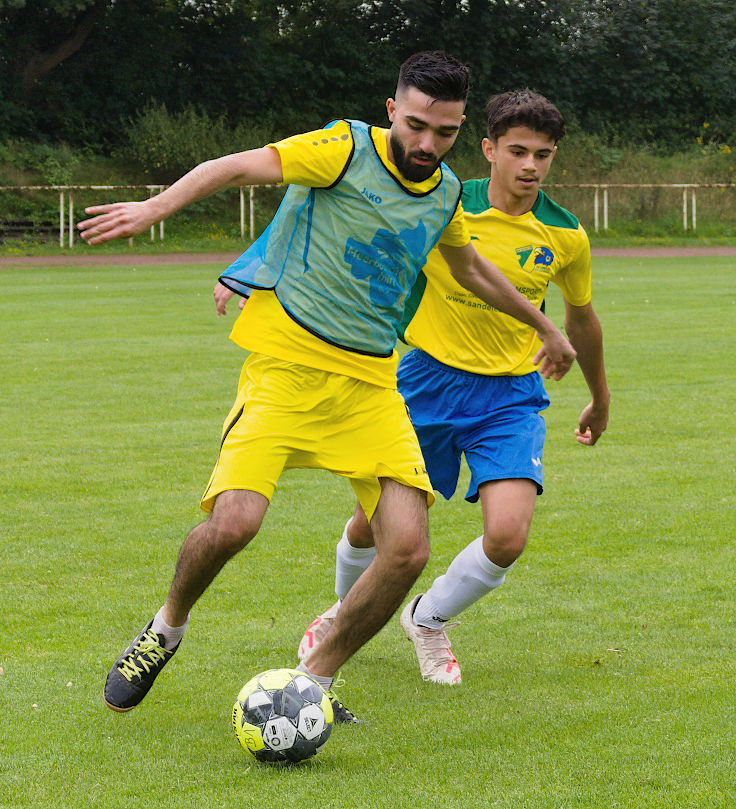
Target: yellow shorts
290 416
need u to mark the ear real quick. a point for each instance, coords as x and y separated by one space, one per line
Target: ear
391 108
489 150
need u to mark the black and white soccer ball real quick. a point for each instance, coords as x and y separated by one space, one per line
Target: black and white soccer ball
282 715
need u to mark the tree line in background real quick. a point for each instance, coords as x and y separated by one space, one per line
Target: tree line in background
80 71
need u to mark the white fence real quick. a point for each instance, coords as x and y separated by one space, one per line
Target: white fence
66 206
687 188
600 202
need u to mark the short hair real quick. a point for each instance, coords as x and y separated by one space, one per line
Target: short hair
523 108
436 74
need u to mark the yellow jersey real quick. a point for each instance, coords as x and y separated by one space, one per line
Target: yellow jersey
455 327
318 159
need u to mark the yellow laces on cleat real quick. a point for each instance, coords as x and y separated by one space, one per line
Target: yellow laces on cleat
148 645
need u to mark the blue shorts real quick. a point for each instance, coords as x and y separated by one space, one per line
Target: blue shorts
493 420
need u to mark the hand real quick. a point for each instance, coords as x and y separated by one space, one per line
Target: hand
592 423
222 295
556 355
118 220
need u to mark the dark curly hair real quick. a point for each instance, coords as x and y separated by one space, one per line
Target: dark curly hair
436 74
523 108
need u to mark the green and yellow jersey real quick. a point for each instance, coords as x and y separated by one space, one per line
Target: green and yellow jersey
318 159
453 326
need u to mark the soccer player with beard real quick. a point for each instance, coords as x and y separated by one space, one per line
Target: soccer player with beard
329 279
471 383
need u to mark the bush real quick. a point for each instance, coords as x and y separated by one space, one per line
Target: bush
47 164
163 146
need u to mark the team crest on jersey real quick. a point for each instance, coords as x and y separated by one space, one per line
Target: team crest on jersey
542 257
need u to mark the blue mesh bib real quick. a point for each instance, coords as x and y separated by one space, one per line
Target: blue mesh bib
343 259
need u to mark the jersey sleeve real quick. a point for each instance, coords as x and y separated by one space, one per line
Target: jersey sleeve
456 234
316 159
574 279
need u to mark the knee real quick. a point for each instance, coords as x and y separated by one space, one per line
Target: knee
230 527
418 557
407 554
236 518
229 537
504 543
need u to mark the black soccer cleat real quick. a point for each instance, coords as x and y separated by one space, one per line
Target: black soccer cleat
342 716
133 673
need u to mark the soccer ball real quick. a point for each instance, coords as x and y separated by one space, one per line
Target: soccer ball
282 715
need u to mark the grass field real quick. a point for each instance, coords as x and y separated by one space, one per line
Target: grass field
601 675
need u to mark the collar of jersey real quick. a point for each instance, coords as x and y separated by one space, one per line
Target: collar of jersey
475 201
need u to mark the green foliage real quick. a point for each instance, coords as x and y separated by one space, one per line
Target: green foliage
636 70
163 145
640 66
62 8
53 164
27 163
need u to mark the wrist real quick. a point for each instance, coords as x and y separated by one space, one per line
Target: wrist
156 208
601 399
545 327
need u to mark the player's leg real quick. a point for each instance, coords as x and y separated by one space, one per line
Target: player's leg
508 507
427 389
356 548
402 548
498 426
366 436
234 521
354 553
236 497
480 568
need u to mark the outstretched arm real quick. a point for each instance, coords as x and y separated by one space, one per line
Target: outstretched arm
584 330
123 219
489 284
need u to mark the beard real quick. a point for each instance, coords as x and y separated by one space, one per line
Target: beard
412 171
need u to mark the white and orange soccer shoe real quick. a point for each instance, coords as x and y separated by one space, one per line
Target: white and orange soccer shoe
437 663
316 631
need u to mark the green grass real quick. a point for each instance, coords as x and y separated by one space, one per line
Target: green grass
601 675
187 239
182 242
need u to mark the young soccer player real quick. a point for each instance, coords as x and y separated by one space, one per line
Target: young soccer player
471 383
330 276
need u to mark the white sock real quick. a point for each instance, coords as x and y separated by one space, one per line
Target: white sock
172 634
325 682
350 563
470 576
